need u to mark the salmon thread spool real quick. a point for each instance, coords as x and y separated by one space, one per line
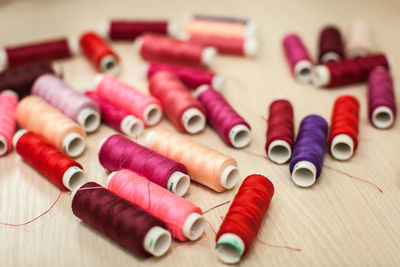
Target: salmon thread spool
205 165
8 105
214 28
36 115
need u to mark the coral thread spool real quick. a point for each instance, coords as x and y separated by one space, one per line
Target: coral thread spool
343 140
331 46
233 129
243 220
99 53
185 111
298 58
359 41
8 105
63 171
69 101
117 218
183 219
381 99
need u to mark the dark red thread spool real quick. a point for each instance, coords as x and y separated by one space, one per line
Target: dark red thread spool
331 46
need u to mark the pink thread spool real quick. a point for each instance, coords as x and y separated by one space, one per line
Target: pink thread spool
359 42
298 58
8 104
145 107
69 101
183 219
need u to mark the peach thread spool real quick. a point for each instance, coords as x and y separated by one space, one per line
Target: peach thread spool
217 28
8 104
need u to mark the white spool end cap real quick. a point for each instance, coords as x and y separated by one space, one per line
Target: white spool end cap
109 64
3 145
89 119
382 117
58 69
73 44
74 144
240 136
342 147
17 136
230 248
321 76
218 82
173 28
279 151
152 114
132 126
229 177
97 80
137 45
101 144
149 136
193 120
303 71
250 47
281 97
178 183
208 55
200 90
193 227
109 178
251 27
144 68
304 174
10 92
104 29
330 56
3 59
157 241
358 52
73 177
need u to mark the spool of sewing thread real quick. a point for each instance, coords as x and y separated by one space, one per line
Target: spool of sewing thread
129 30
243 220
205 165
233 129
145 107
280 130
347 71
331 46
218 28
183 219
159 48
249 23
359 41
192 78
36 115
37 52
309 151
120 220
69 101
116 117
343 139
185 111
298 58
118 152
21 78
8 104
99 53
48 160
381 99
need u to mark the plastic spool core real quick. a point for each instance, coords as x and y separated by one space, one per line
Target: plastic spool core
3 59
73 177
303 71
173 28
89 119
148 138
193 227
104 29
304 174
178 183
230 248
321 76
73 44
208 55
157 241
250 47
109 65
74 144
240 136
358 52
193 120
3 145
132 126
382 117
330 56
218 82
229 177
279 151
342 147
152 114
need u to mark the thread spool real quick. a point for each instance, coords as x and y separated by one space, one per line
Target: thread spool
381 99
8 104
159 48
243 220
192 78
233 129
99 53
331 46
117 152
309 149
347 71
36 52
69 101
247 22
280 130
145 107
35 115
205 165
183 219
359 41
343 140
125 223
298 58
218 28
185 111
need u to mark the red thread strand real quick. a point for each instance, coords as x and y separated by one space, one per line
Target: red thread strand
129 30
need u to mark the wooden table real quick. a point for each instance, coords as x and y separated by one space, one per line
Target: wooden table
337 222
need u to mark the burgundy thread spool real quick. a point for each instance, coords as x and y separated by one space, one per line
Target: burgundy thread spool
331 46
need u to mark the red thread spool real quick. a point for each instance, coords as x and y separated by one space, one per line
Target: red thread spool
49 161
99 53
280 131
331 46
348 71
343 139
185 111
159 48
243 220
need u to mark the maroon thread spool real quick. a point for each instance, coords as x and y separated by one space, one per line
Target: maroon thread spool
330 45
